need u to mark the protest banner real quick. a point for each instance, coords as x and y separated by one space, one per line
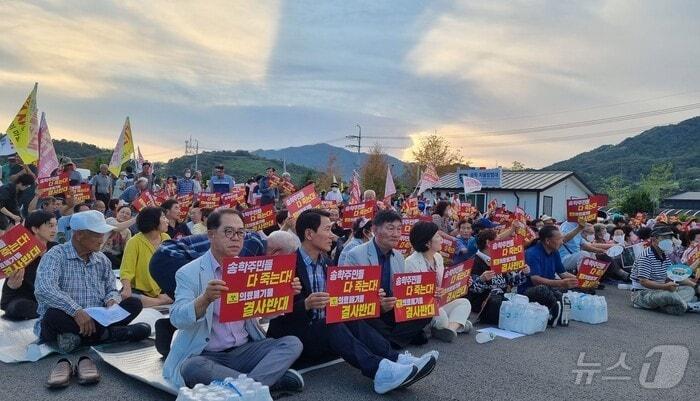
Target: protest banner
160 197
305 198
234 198
590 271
455 281
52 186
274 180
404 246
146 199
354 293
415 296
80 193
448 248
581 209
328 204
287 187
693 254
209 200
492 205
502 216
18 248
507 255
258 286
185 202
259 217
357 211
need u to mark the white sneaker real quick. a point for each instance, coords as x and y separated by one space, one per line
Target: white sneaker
392 375
425 364
694 307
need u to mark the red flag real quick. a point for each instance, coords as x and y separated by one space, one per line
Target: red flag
429 179
389 187
48 162
355 195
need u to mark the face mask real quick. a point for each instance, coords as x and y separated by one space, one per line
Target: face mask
589 237
188 175
666 245
620 239
606 236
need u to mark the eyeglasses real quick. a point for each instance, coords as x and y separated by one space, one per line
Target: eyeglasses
230 233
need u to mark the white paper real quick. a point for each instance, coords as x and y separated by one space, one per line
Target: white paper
18 342
107 316
145 365
501 333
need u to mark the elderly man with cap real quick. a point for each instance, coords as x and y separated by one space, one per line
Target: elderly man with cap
651 286
221 182
131 193
76 276
74 176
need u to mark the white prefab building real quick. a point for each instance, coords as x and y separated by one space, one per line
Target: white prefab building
537 192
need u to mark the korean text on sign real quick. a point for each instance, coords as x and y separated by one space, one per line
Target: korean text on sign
590 271
258 286
507 255
209 200
581 209
415 296
52 186
455 281
18 248
358 211
354 293
305 198
259 218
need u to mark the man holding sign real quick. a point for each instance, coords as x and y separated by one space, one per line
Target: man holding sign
207 349
355 341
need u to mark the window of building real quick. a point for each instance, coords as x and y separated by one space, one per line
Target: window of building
547 202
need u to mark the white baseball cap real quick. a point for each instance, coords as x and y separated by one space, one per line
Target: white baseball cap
90 220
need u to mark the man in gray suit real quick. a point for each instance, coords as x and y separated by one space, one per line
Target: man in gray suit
380 252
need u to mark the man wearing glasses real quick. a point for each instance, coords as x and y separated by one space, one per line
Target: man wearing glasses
206 349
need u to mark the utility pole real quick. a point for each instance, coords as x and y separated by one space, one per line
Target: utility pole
192 148
359 143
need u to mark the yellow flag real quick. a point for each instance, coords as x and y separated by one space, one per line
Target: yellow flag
24 129
123 150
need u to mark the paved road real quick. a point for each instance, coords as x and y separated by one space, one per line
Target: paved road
537 367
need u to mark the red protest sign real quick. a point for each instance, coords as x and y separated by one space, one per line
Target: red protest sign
354 293
234 198
455 281
80 193
259 218
258 286
357 211
581 209
590 271
415 296
693 254
18 248
448 248
160 197
404 246
304 199
209 200
145 200
328 204
287 187
507 255
501 216
52 186
599 199
185 200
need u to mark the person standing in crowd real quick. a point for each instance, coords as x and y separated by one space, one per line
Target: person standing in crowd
18 300
74 176
381 252
131 193
452 318
101 185
116 241
197 182
74 276
369 195
651 287
176 228
119 185
334 194
361 233
134 273
221 183
206 349
147 173
268 192
9 200
12 169
130 177
355 341
185 186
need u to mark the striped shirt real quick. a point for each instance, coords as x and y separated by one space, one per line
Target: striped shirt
317 277
651 266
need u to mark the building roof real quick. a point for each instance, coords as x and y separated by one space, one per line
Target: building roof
685 196
517 180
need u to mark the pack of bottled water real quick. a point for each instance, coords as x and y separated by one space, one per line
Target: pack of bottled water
519 315
587 308
242 388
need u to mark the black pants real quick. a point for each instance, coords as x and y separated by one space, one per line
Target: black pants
400 334
544 295
57 322
103 197
21 309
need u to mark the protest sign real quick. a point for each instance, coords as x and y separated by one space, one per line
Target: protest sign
287 187
507 255
52 186
404 246
455 281
258 286
501 216
209 200
144 200
259 218
448 248
581 209
304 199
354 293
328 204
692 255
415 296
357 211
80 193
185 202
590 271
18 248
234 198
160 197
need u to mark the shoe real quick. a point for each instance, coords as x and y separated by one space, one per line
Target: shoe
132 332
447 335
391 375
425 364
290 382
565 312
68 342
60 374
694 307
164 336
555 314
87 372
467 327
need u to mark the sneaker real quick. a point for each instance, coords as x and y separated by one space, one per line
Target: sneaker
694 307
68 342
467 327
425 364
555 314
290 382
164 336
565 312
132 332
391 375
445 334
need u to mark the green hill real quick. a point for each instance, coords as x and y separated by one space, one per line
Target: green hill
632 158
